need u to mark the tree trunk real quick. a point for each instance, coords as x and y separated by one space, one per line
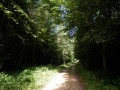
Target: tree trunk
104 60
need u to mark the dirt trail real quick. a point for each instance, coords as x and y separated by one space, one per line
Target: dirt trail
65 80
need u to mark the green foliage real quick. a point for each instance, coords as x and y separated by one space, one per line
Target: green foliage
97 31
28 79
96 81
25 39
66 45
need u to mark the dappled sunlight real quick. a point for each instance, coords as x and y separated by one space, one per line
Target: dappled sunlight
57 81
33 78
65 81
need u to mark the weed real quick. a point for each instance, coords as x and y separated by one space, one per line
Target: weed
94 82
29 79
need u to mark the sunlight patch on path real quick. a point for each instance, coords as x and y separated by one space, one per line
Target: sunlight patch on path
57 81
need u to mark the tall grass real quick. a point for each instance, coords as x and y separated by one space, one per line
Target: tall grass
95 80
29 79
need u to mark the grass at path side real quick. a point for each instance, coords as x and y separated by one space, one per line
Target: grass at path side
29 79
94 82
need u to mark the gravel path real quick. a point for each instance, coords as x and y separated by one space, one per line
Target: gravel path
65 80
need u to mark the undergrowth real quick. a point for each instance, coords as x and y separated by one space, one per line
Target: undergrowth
29 79
96 80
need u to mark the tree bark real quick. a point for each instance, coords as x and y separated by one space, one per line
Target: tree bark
104 60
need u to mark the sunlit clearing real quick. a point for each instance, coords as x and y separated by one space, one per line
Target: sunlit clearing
57 81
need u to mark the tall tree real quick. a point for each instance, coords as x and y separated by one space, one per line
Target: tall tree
26 34
98 34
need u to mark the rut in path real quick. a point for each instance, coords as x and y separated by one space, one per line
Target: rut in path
65 80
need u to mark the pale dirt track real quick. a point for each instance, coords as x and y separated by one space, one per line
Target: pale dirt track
65 80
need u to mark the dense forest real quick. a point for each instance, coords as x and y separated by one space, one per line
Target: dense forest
97 43
41 32
37 36
26 34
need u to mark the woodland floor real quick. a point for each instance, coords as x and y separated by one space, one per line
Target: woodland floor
65 80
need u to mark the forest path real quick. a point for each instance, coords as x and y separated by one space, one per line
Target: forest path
65 80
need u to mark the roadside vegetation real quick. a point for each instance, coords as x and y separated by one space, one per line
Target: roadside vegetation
54 32
95 80
29 79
